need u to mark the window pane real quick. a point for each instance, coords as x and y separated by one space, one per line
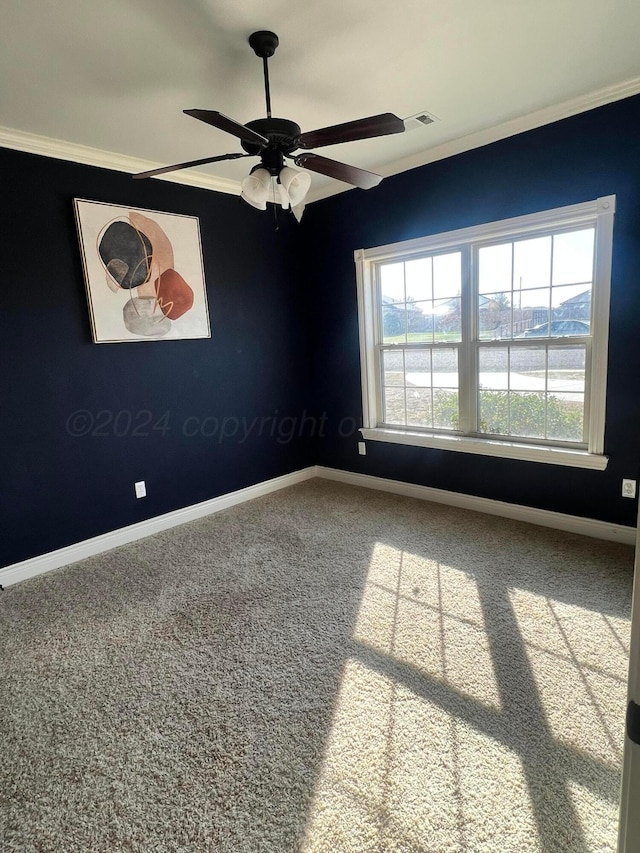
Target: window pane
494 264
447 275
419 410
447 319
533 300
526 414
407 387
394 324
527 369
416 404
392 282
419 279
445 409
445 367
493 367
566 369
532 263
531 312
532 392
567 296
565 417
571 305
394 410
494 316
393 368
493 415
418 361
420 321
418 368
573 257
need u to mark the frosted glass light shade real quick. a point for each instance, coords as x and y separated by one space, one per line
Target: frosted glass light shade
282 195
298 210
255 188
295 183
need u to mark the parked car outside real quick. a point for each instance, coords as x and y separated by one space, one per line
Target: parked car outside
559 328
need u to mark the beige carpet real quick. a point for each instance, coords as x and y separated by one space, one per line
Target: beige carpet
324 670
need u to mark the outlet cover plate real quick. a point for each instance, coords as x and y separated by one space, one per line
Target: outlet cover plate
628 488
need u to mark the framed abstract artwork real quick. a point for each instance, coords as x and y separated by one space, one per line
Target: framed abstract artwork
143 272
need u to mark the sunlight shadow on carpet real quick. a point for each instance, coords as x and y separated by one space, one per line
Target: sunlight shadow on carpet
566 648
432 760
593 813
409 598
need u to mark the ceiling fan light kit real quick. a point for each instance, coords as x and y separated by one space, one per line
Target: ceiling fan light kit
295 183
255 188
274 140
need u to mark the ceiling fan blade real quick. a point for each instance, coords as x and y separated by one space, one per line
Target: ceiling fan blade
341 171
229 126
163 169
350 131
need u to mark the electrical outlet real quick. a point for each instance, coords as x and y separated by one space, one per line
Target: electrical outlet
628 488
362 448
141 489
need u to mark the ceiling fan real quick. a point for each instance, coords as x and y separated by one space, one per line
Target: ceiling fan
274 139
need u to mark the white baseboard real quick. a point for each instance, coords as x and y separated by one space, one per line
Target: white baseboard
543 517
98 544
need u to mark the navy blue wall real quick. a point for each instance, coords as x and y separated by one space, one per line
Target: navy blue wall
57 488
284 339
581 158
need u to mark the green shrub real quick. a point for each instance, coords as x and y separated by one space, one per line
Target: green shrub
445 409
517 414
520 414
523 414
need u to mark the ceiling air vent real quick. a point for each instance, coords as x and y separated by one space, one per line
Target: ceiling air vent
421 119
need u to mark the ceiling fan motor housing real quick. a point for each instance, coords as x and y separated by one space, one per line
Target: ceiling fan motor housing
283 136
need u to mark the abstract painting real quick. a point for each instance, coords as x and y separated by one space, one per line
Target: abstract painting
143 272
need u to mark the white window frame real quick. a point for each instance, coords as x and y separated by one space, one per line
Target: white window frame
599 213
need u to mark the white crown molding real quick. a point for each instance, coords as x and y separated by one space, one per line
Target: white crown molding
62 150
530 121
31 143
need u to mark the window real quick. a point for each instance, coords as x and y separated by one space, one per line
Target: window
492 339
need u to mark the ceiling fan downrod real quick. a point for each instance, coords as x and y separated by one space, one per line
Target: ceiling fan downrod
264 44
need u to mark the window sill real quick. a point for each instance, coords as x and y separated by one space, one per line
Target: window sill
491 447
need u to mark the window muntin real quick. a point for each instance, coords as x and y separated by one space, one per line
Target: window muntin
538 286
533 392
521 311
545 292
420 299
420 387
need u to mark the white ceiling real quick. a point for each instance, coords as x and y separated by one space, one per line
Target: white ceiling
83 77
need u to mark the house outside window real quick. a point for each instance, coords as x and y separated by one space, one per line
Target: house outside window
492 339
